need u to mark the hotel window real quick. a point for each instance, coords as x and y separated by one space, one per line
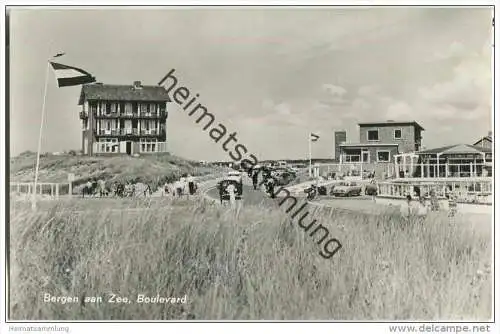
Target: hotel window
148 145
93 108
397 134
109 145
372 135
383 156
128 108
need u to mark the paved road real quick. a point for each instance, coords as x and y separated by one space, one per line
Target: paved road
256 197
250 196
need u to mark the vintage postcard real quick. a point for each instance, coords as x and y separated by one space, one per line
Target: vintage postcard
250 163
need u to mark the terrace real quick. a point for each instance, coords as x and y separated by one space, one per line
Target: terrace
456 161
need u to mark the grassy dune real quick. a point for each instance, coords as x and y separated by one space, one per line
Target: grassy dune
153 169
247 264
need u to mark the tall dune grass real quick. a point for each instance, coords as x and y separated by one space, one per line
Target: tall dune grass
249 264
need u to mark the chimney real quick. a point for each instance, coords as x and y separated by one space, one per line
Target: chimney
490 133
340 137
137 85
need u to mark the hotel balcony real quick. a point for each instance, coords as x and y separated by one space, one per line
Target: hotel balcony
131 132
153 115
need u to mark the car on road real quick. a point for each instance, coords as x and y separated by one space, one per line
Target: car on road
283 175
234 178
346 189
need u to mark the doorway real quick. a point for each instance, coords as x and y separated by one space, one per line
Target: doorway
128 148
365 156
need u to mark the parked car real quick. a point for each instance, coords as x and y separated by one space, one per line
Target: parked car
283 175
347 189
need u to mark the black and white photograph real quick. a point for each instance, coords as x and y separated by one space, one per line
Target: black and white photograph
253 163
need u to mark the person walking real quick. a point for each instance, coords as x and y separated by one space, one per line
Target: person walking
231 190
102 188
191 184
434 200
178 185
373 184
407 209
270 187
220 187
452 204
168 189
255 179
422 209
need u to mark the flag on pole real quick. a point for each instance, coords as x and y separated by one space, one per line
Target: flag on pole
71 76
313 137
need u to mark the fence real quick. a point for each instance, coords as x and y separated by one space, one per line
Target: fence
477 191
53 190
361 169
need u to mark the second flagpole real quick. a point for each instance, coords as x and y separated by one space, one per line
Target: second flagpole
33 203
310 154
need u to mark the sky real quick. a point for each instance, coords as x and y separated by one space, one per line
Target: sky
272 75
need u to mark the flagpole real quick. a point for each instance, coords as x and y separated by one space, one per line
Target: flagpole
33 203
333 146
310 155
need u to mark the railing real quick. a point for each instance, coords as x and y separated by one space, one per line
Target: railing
450 170
151 115
361 169
52 190
466 191
129 132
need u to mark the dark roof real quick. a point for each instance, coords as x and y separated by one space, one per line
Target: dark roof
488 138
99 91
391 123
456 149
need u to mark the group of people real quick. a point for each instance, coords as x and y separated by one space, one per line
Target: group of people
94 187
429 202
186 184
268 181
